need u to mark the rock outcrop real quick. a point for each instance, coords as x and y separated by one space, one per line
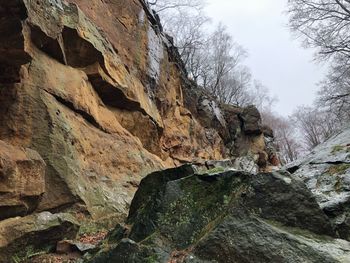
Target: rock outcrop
179 215
93 97
20 234
326 172
99 91
22 181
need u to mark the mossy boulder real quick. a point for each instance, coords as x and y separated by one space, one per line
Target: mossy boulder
179 215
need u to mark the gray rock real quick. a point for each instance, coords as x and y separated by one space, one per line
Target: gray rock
250 239
40 230
246 164
326 172
180 216
252 121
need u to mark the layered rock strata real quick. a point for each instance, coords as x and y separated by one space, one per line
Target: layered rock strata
99 91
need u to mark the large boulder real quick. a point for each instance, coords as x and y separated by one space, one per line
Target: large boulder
19 234
22 180
252 123
326 172
179 215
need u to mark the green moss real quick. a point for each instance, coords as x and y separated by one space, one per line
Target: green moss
226 199
340 148
338 169
152 259
199 204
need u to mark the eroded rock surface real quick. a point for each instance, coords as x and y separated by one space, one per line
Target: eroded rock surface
326 172
101 96
182 216
99 91
22 180
20 234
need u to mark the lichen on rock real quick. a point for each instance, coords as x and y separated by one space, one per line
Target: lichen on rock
230 216
326 172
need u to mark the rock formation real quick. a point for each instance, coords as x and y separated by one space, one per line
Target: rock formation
22 181
326 172
99 92
180 215
40 230
93 98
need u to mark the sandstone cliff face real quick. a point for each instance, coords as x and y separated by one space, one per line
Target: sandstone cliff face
99 92
22 181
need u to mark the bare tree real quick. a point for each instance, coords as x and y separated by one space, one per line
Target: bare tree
225 56
260 96
235 87
286 136
212 60
315 125
221 72
166 5
334 95
323 24
190 38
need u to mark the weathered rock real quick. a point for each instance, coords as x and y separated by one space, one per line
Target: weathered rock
224 164
100 93
249 239
232 216
268 132
37 231
233 119
252 120
239 128
56 110
211 115
12 52
271 150
69 246
22 180
326 172
247 164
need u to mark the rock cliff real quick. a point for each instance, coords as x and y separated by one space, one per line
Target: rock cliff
93 97
99 92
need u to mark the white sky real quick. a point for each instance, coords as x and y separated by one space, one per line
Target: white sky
275 57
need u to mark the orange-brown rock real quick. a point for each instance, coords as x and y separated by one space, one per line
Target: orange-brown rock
22 180
20 237
99 91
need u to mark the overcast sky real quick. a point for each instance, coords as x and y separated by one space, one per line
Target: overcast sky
275 57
